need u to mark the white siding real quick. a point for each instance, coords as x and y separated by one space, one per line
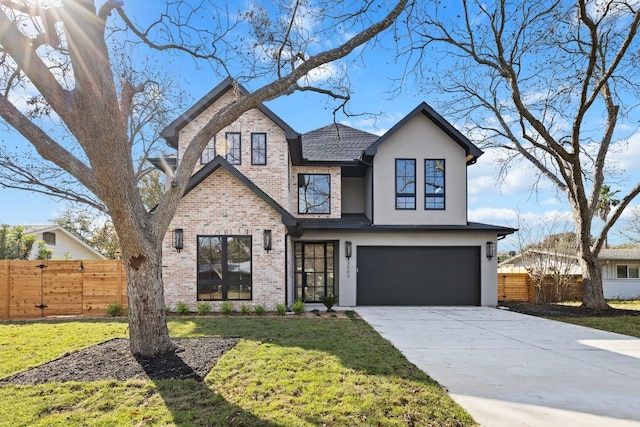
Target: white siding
65 245
615 288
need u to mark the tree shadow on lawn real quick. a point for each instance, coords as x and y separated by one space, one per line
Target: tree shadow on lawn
191 402
354 342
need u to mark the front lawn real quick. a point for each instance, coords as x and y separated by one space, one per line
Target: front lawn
283 372
626 325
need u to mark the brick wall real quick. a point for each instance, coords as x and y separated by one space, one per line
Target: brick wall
272 178
336 182
222 205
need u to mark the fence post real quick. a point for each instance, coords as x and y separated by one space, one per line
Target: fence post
7 288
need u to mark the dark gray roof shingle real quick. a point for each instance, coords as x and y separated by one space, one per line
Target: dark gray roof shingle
336 142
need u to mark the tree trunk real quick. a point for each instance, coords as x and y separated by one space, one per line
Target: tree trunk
593 294
149 335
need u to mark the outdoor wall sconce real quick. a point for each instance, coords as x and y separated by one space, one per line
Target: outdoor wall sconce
81 268
347 249
178 239
266 235
491 250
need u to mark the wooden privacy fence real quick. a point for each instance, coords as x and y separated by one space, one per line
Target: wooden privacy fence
30 289
515 287
522 287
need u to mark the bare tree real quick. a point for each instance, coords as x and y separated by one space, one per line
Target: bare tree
548 252
150 105
60 53
549 83
631 230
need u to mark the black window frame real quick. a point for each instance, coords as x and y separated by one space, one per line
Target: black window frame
231 155
435 196
303 271
262 150
209 152
224 281
406 195
328 204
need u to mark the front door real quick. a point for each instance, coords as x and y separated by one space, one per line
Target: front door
314 270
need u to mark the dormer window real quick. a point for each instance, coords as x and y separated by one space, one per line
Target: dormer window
405 184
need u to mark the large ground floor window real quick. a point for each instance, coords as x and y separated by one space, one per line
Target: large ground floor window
314 270
224 268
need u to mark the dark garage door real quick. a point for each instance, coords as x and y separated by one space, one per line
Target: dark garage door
425 275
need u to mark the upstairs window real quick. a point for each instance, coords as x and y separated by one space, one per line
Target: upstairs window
624 271
209 152
232 148
258 148
434 184
405 184
49 238
314 193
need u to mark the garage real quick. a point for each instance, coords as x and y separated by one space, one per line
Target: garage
422 275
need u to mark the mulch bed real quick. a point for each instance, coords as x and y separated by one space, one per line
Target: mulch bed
113 360
558 310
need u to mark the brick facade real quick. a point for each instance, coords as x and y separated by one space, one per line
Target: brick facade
223 205
273 177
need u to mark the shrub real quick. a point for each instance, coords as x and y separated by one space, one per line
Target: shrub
167 310
245 309
182 308
316 312
281 309
350 314
259 309
226 308
114 309
203 308
298 307
329 301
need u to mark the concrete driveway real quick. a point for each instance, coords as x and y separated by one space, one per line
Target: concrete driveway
510 369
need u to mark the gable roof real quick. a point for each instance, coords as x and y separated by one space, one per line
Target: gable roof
620 254
37 229
218 162
472 152
171 132
336 143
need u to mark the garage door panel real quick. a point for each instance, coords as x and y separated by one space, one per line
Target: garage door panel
418 275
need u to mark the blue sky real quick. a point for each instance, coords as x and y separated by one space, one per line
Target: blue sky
490 200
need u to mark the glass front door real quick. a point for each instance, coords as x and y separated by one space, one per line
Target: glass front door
314 270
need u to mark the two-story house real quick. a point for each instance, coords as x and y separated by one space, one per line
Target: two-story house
271 216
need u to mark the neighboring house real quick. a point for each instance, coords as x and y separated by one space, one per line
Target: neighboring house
271 216
63 244
620 269
547 262
620 278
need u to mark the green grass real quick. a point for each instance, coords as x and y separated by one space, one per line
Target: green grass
626 325
283 372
